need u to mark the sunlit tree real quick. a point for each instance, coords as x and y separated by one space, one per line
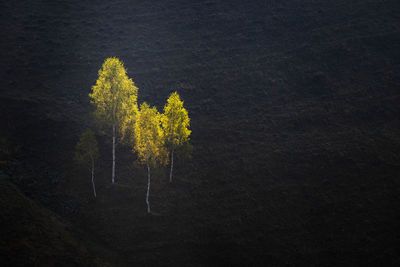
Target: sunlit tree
175 122
149 141
115 98
87 152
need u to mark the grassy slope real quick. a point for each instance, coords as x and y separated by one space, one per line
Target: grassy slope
33 236
294 108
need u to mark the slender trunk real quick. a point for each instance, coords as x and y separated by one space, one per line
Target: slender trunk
94 187
172 165
148 188
113 156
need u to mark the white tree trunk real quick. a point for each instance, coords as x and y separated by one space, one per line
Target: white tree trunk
94 187
113 156
172 165
148 188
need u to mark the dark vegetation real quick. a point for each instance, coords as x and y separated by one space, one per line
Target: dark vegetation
294 110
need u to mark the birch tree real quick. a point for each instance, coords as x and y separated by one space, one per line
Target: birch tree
175 122
87 152
149 141
115 98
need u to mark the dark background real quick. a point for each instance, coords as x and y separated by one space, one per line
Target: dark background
294 108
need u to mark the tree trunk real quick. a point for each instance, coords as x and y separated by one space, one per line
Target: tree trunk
94 187
113 156
172 165
148 188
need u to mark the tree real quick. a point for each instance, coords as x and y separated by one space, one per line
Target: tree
87 152
149 141
175 122
115 98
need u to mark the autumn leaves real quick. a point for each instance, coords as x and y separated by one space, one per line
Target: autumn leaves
153 136
115 98
175 122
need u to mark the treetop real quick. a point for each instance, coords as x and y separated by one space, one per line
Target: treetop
175 120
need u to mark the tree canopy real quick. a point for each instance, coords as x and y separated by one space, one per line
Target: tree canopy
149 136
86 149
114 94
175 121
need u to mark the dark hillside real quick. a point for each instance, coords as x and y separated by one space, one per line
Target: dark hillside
294 108
32 236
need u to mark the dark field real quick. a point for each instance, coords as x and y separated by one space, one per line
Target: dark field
295 119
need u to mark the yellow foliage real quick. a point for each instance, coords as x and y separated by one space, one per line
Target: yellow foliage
149 137
114 94
175 121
